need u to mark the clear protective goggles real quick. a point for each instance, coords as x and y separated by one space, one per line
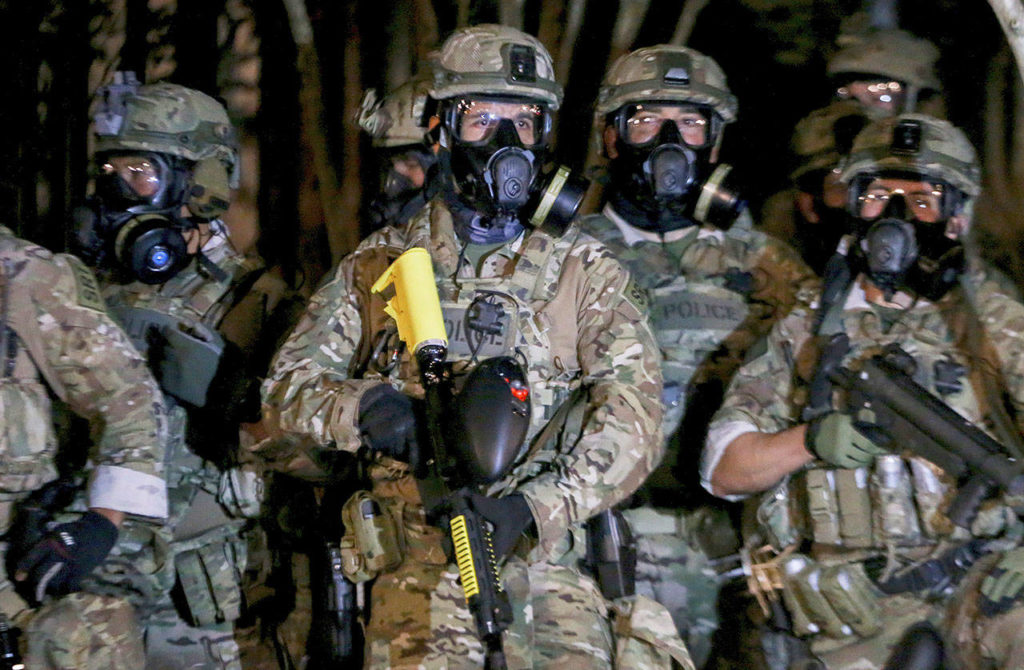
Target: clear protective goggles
475 121
641 124
131 179
884 94
923 201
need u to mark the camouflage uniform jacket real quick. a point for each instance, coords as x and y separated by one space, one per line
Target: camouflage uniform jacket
711 295
199 301
60 338
769 391
572 316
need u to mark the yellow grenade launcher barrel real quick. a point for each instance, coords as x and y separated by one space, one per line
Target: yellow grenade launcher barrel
416 307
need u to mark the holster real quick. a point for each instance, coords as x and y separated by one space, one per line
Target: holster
611 554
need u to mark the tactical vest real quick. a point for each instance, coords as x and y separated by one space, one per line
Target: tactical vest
28 443
693 310
526 332
199 546
897 504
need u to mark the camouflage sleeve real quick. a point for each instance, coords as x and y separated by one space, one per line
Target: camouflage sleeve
762 393
781 278
107 382
621 439
1000 308
308 391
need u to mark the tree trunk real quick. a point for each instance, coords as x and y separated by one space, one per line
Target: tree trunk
314 138
687 20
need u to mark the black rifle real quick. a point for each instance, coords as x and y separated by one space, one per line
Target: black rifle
918 421
438 477
469 444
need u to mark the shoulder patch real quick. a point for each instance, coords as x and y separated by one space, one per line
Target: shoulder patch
636 295
87 289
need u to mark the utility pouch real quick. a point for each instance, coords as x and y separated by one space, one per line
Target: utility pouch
854 501
895 516
931 494
806 602
611 554
27 441
210 574
823 505
775 516
371 543
853 597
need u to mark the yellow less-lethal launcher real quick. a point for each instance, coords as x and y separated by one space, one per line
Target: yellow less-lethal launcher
416 309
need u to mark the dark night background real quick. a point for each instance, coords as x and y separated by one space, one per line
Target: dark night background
308 170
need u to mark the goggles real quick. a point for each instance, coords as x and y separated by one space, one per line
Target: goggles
475 121
641 124
882 94
133 179
921 201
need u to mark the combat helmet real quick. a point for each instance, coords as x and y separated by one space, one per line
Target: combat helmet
670 74
496 60
916 144
399 118
170 119
892 54
824 136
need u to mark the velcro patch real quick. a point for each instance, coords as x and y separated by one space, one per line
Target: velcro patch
87 289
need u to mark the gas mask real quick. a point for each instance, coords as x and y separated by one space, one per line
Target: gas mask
133 222
494 150
662 175
898 251
400 196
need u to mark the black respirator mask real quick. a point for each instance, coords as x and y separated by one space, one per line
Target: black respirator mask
400 197
497 181
133 222
665 183
900 252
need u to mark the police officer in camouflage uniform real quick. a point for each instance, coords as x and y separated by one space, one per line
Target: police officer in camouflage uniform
397 126
56 341
853 533
713 289
887 72
812 213
167 162
563 307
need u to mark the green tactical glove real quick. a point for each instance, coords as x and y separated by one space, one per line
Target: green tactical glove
1004 585
838 439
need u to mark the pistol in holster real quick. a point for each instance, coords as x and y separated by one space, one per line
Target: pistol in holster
611 554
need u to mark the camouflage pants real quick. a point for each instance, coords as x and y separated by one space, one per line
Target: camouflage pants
419 619
83 631
675 572
111 640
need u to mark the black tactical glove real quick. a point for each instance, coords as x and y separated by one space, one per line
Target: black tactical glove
387 423
509 517
57 563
